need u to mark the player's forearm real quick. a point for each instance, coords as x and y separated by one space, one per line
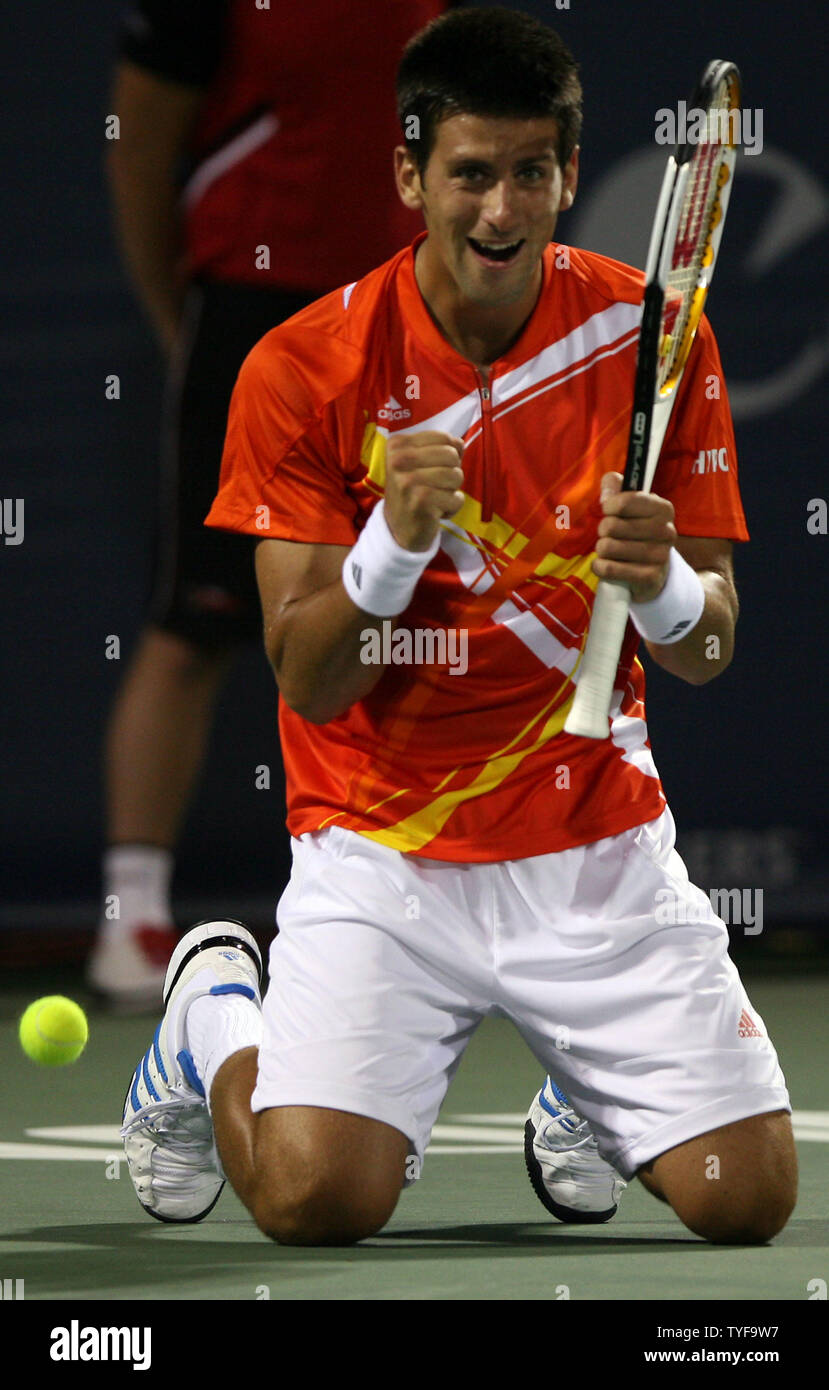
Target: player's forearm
317 649
709 646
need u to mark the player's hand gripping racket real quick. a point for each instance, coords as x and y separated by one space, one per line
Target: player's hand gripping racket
681 257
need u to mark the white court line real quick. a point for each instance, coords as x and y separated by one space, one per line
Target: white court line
495 1133
515 1148
477 1134
84 1134
64 1151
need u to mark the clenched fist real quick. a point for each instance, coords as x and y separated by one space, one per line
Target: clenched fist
423 484
636 534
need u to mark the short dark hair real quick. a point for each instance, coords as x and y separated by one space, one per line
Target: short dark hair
480 62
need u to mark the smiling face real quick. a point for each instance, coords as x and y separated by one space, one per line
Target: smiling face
490 196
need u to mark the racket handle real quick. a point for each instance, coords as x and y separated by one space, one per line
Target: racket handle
589 716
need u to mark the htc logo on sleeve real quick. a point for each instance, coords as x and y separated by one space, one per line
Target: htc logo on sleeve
711 461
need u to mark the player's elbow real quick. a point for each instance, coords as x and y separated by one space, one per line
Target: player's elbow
700 675
705 666
303 694
695 661
292 692
313 711
307 699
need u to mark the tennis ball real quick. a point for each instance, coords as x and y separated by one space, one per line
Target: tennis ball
53 1031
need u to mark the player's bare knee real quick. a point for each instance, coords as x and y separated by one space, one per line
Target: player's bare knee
736 1185
317 1223
320 1212
742 1228
751 1217
304 1226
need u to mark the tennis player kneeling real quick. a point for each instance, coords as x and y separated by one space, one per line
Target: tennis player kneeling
437 447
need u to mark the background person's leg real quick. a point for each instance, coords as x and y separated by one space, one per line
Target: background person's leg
157 736
204 606
155 747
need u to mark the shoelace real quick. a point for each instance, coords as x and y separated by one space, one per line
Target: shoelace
158 1110
180 1155
180 1150
591 1167
588 1170
579 1126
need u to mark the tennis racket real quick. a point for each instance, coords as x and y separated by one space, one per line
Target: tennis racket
683 250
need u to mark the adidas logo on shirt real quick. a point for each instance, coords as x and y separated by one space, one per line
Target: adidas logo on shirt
747 1028
393 410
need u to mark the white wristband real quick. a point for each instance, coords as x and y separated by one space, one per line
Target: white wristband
378 574
676 610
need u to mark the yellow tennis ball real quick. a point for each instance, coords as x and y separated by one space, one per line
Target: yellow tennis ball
53 1031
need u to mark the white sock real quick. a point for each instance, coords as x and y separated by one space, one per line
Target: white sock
136 881
217 1026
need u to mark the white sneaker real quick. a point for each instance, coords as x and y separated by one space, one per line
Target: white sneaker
167 1130
128 965
568 1175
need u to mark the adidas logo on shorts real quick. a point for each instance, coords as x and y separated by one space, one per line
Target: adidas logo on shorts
747 1028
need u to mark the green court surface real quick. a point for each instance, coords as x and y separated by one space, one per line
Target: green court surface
469 1229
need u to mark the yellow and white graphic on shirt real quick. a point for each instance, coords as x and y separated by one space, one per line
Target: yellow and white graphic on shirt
415 831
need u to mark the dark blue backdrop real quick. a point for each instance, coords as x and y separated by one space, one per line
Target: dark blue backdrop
743 759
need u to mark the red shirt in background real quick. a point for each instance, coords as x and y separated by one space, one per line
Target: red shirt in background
293 146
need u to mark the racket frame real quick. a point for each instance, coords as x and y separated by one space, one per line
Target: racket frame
589 715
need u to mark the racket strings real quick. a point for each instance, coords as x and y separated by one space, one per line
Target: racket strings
699 215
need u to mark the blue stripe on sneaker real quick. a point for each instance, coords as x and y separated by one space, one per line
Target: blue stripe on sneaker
145 1068
136 1104
558 1093
551 1109
545 1104
188 1066
234 989
158 1058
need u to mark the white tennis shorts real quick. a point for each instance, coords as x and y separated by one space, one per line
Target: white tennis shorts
385 964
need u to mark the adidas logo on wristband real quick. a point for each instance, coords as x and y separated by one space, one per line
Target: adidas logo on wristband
678 607
675 631
379 575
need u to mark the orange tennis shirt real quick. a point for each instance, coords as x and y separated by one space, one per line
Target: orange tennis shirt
459 751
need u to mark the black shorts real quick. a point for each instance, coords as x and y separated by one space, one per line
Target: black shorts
204 584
